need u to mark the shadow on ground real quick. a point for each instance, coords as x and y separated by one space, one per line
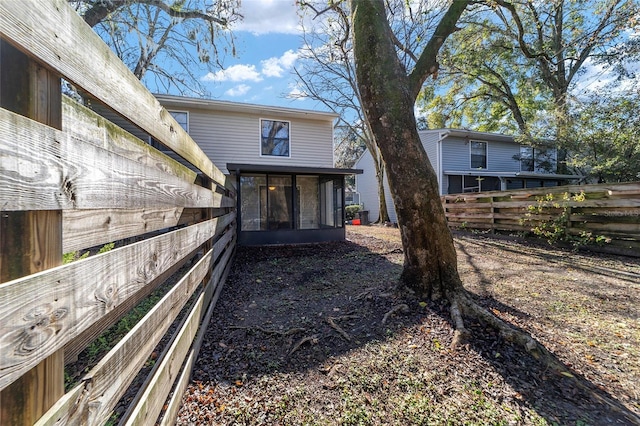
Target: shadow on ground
320 334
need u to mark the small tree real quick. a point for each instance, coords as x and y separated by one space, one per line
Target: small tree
327 74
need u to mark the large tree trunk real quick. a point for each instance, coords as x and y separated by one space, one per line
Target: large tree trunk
430 264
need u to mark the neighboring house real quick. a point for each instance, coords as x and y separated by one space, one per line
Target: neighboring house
468 161
282 160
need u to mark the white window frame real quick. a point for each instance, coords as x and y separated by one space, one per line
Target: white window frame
260 138
486 155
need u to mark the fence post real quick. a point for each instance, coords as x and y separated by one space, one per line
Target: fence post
30 241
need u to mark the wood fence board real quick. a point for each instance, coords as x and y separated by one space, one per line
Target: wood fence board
104 385
82 229
43 312
84 124
50 30
147 411
45 169
219 276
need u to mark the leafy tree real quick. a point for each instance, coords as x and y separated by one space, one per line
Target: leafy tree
607 127
388 90
166 43
520 59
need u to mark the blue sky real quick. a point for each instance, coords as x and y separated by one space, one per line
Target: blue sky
267 44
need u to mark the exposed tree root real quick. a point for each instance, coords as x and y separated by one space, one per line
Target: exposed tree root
463 304
311 339
332 322
402 307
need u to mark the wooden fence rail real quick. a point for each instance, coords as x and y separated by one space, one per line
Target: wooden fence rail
71 181
608 210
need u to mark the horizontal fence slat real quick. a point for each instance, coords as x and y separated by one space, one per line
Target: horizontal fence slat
82 123
89 228
42 168
105 384
609 210
43 312
217 280
50 31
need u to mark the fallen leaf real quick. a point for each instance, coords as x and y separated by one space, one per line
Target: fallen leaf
567 374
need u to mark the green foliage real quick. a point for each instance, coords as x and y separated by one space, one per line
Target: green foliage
607 129
351 211
75 255
550 218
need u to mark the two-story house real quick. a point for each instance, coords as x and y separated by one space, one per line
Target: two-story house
281 159
469 161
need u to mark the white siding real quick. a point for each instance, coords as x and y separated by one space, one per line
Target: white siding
456 154
501 157
367 187
232 137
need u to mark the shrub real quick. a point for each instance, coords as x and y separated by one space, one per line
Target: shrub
556 228
351 211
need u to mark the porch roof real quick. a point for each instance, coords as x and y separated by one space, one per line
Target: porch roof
529 175
266 168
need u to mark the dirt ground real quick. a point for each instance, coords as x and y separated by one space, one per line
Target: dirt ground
322 335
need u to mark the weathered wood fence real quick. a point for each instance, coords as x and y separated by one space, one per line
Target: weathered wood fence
608 210
70 180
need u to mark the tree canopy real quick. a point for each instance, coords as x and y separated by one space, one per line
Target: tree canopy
514 65
165 43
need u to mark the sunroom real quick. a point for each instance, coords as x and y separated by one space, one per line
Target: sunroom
289 205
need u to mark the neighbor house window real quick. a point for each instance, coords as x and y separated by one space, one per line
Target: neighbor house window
526 159
478 155
275 138
182 117
541 160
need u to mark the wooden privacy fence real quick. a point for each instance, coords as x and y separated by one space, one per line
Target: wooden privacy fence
608 210
70 180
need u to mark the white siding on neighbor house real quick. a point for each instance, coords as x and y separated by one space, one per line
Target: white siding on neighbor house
430 143
501 157
366 185
233 137
456 153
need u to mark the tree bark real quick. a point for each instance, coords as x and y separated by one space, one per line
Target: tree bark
382 198
388 98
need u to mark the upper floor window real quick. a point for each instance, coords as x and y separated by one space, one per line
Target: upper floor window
275 138
478 155
182 117
526 159
540 160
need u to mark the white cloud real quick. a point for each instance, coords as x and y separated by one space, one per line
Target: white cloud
275 67
238 90
297 93
234 73
269 16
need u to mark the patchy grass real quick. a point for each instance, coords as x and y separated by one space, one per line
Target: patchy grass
299 337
